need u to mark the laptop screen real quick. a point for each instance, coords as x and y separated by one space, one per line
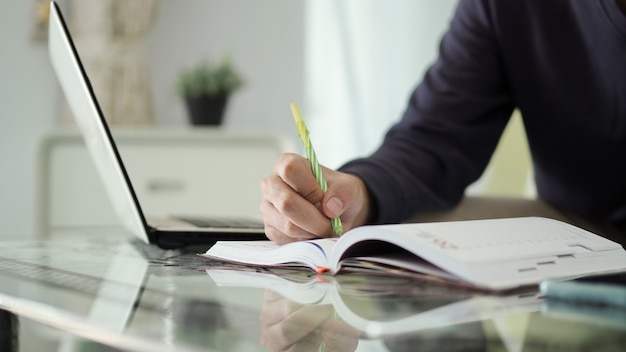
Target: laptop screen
90 120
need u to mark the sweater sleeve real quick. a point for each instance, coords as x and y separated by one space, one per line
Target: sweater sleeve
450 127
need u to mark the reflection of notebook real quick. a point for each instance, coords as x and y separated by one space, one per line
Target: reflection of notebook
378 305
167 233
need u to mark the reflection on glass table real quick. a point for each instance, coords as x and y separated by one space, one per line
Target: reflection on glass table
105 294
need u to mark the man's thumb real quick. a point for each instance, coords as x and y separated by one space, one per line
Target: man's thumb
333 207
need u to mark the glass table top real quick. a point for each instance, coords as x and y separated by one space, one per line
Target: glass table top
103 294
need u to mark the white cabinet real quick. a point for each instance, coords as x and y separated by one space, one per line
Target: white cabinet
195 171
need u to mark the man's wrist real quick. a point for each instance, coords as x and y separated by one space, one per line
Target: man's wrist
366 213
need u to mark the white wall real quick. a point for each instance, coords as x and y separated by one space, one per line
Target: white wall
27 108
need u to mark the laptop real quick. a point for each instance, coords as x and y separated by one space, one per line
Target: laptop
170 232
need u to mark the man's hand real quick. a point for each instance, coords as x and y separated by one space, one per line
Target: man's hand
294 208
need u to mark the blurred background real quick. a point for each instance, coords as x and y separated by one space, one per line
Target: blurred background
350 64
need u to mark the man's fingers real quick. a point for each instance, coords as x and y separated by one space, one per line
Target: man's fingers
297 227
288 212
295 171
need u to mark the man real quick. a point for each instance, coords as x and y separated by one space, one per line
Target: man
562 63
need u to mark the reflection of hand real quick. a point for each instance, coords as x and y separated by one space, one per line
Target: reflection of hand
289 326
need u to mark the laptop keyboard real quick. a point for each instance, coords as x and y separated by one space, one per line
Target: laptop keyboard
237 223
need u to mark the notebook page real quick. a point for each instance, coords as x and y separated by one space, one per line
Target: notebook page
505 239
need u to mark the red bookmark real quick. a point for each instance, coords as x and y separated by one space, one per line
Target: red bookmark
321 269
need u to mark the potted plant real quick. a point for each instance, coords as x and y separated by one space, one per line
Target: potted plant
206 89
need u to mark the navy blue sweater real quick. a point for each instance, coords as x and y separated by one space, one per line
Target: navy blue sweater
561 62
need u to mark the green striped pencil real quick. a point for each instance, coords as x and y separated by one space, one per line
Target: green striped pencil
303 132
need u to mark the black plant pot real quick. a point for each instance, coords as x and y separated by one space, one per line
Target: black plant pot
206 110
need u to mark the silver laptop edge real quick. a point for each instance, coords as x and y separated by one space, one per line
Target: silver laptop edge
80 96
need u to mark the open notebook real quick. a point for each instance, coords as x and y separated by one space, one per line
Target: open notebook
492 254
